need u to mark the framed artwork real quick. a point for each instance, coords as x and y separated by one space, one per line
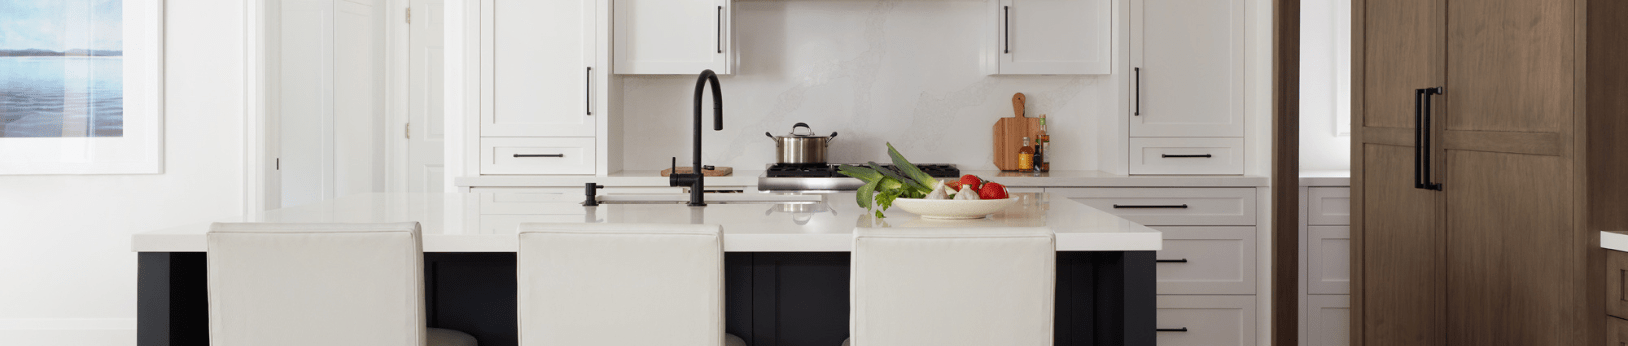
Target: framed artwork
81 86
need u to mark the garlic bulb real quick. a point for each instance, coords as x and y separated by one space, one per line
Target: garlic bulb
939 192
966 193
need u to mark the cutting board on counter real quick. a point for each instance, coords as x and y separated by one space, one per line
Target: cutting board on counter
715 172
1009 133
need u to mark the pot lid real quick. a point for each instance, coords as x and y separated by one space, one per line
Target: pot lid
810 133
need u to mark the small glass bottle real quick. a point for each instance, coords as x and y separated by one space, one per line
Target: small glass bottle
1026 156
1043 163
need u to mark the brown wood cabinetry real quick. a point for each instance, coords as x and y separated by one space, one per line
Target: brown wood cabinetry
1489 141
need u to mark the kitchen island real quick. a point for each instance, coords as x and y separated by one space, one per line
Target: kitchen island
786 265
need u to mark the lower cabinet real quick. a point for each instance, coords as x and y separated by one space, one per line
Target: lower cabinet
1206 260
1328 320
1195 320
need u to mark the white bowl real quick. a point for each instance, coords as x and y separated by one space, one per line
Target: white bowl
949 209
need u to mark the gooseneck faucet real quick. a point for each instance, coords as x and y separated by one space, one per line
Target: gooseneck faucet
695 179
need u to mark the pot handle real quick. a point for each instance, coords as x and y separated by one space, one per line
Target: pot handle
771 136
833 138
802 125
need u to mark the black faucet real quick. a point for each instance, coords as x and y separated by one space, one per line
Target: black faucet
694 179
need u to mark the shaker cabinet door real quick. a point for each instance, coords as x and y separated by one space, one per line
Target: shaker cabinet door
1187 68
537 59
671 36
1054 36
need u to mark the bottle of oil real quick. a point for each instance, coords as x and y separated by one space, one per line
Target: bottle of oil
1043 156
1026 156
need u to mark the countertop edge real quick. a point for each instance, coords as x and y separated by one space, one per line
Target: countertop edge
1614 241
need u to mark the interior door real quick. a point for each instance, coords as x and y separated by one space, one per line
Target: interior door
1187 66
1397 246
539 59
1512 262
426 130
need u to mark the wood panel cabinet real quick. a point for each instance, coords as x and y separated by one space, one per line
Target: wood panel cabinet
672 36
1483 150
1053 37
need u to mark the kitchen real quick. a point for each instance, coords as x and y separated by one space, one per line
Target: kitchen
1171 190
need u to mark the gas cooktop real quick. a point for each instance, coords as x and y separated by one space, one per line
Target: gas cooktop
824 177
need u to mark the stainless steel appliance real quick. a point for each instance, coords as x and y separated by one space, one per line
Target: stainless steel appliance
825 178
796 148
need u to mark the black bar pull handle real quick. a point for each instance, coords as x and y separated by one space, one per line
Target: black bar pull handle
589 95
1418 138
1007 29
1427 181
720 29
1177 330
1182 156
1184 260
1139 206
1138 88
539 155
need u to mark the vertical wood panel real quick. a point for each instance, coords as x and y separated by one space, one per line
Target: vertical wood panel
1400 271
1285 173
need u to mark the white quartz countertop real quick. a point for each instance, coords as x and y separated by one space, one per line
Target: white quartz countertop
1325 178
1614 241
468 222
1057 178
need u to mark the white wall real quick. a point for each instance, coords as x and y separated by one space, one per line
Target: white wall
69 277
1325 65
905 72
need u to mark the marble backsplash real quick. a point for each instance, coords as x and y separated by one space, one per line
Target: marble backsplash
906 72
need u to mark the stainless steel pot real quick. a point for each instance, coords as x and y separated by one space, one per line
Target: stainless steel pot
801 148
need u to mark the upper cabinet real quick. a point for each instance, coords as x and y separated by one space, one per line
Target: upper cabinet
1053 37
671 36
1187 66
537 64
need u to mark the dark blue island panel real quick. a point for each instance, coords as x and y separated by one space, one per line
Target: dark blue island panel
771 298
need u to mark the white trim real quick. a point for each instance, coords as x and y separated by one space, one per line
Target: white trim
462 68
11 324
258 177
398 98
141 149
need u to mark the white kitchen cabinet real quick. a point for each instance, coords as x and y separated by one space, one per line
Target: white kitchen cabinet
1182 156
537 155
1328 206
1170 206
1053 37
1187 65
1206 260
671 36
1328 259
1328 321
1205 320
537 68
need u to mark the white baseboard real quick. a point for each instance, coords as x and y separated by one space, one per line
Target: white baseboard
68 331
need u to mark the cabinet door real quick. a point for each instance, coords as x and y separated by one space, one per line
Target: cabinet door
1328 260
1187 66
671 36
1205 320
537 63
1055 36
1396 242
1328 321
1507 173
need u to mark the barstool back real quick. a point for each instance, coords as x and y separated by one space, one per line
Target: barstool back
315 284
952 287
621 284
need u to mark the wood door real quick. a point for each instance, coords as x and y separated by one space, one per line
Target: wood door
1506 168
1055 36
1187 60
537 65
1397 270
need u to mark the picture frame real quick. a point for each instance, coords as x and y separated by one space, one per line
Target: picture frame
138 146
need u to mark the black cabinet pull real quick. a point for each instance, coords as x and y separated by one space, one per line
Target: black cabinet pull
1138 91
1007 29
539 155
720 29
1425 147
1181 156
589 95
1135 206
1178 330
1184 260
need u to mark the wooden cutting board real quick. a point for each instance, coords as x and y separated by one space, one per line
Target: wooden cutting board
1009 133
715 172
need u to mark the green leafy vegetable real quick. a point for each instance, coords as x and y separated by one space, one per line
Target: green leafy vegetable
883 185
909 169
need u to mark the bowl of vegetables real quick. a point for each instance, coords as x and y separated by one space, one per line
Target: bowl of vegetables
916 192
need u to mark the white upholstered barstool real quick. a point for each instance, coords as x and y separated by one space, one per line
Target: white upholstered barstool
319 284
952 287
622 284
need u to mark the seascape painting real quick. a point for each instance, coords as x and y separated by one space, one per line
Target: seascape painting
61 68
